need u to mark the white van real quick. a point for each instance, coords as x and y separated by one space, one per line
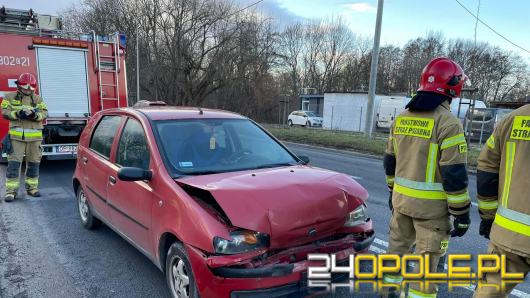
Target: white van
389 108
464 106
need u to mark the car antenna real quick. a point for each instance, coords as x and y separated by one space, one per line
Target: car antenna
200 111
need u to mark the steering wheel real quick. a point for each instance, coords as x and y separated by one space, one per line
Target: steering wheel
238 155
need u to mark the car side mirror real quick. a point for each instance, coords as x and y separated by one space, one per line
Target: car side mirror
134 174
304 159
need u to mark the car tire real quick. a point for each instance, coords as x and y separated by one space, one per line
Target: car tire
290 122
179 274
86 216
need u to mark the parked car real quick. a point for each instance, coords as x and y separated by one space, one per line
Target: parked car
304 118
214 201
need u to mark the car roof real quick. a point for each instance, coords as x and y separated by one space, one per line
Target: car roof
173 113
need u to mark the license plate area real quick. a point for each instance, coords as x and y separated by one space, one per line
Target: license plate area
67 149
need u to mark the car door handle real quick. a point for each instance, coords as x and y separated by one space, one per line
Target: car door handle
112 180
85 160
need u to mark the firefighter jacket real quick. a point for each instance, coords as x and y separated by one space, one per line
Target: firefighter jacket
425 164
503 176
24 129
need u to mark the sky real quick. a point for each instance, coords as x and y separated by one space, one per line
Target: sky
402 19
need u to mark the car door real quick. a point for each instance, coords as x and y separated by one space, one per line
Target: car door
96 163
298 118
130 202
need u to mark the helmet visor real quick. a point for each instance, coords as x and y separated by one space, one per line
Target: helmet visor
27 87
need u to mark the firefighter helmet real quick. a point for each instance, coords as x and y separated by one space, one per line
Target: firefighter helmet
27 81
444 76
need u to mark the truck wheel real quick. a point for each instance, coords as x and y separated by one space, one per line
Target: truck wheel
179 274
88 220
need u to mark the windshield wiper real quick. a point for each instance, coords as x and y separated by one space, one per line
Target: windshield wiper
275 165
204 173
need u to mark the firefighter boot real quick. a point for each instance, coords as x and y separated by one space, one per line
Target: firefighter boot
10 197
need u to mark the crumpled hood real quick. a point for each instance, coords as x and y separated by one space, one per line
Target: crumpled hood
286 203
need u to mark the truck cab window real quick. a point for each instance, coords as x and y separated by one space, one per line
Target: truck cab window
132 148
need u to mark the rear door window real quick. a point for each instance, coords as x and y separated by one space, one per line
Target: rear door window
132 148
103 135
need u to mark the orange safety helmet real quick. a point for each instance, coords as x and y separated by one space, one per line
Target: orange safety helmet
27 81
444 76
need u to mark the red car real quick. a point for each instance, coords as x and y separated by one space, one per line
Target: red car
214 201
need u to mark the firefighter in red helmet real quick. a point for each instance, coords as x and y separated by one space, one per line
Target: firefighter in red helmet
425 167
25 111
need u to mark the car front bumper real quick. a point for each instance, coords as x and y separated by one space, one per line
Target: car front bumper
219 276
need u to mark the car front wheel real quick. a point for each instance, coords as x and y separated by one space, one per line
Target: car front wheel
85 213
179 275
290 122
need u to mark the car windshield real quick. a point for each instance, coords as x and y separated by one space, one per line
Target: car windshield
311 114
208 146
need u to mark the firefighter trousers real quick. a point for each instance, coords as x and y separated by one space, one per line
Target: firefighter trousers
514 264
32 150
430 237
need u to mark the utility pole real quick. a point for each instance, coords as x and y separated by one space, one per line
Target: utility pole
137 66
373 71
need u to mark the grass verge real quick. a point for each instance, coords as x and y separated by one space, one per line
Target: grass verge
344 140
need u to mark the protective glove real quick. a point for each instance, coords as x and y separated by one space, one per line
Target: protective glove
485 228
390 202
31 115
21 114
461 224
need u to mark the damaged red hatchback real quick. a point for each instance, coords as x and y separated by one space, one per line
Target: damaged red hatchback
216 202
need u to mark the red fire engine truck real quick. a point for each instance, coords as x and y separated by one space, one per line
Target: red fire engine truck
78 74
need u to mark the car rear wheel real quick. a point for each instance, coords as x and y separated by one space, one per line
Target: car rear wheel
85 213
179 275
290 122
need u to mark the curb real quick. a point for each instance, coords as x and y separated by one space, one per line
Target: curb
472 171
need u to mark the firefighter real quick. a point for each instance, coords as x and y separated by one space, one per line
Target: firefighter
504 205
425 167
25 111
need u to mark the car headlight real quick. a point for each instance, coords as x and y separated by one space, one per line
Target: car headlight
356 217
240 241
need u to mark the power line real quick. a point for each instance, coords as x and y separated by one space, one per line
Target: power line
489 27
476 22
246 7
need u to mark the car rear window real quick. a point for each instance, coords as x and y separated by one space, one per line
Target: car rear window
103 135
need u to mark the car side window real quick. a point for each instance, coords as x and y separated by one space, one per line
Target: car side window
103 135
132 148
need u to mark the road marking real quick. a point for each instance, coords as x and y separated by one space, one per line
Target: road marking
375 249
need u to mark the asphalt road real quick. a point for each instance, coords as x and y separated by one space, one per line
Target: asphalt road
44 251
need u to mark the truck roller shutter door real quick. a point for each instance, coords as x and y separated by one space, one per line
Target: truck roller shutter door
63 81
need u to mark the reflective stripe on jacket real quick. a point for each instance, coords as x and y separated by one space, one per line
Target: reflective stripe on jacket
24 129
429 178
503 174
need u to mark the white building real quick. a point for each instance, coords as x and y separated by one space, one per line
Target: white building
347 110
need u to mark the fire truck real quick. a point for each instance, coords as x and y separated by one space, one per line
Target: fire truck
77 74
